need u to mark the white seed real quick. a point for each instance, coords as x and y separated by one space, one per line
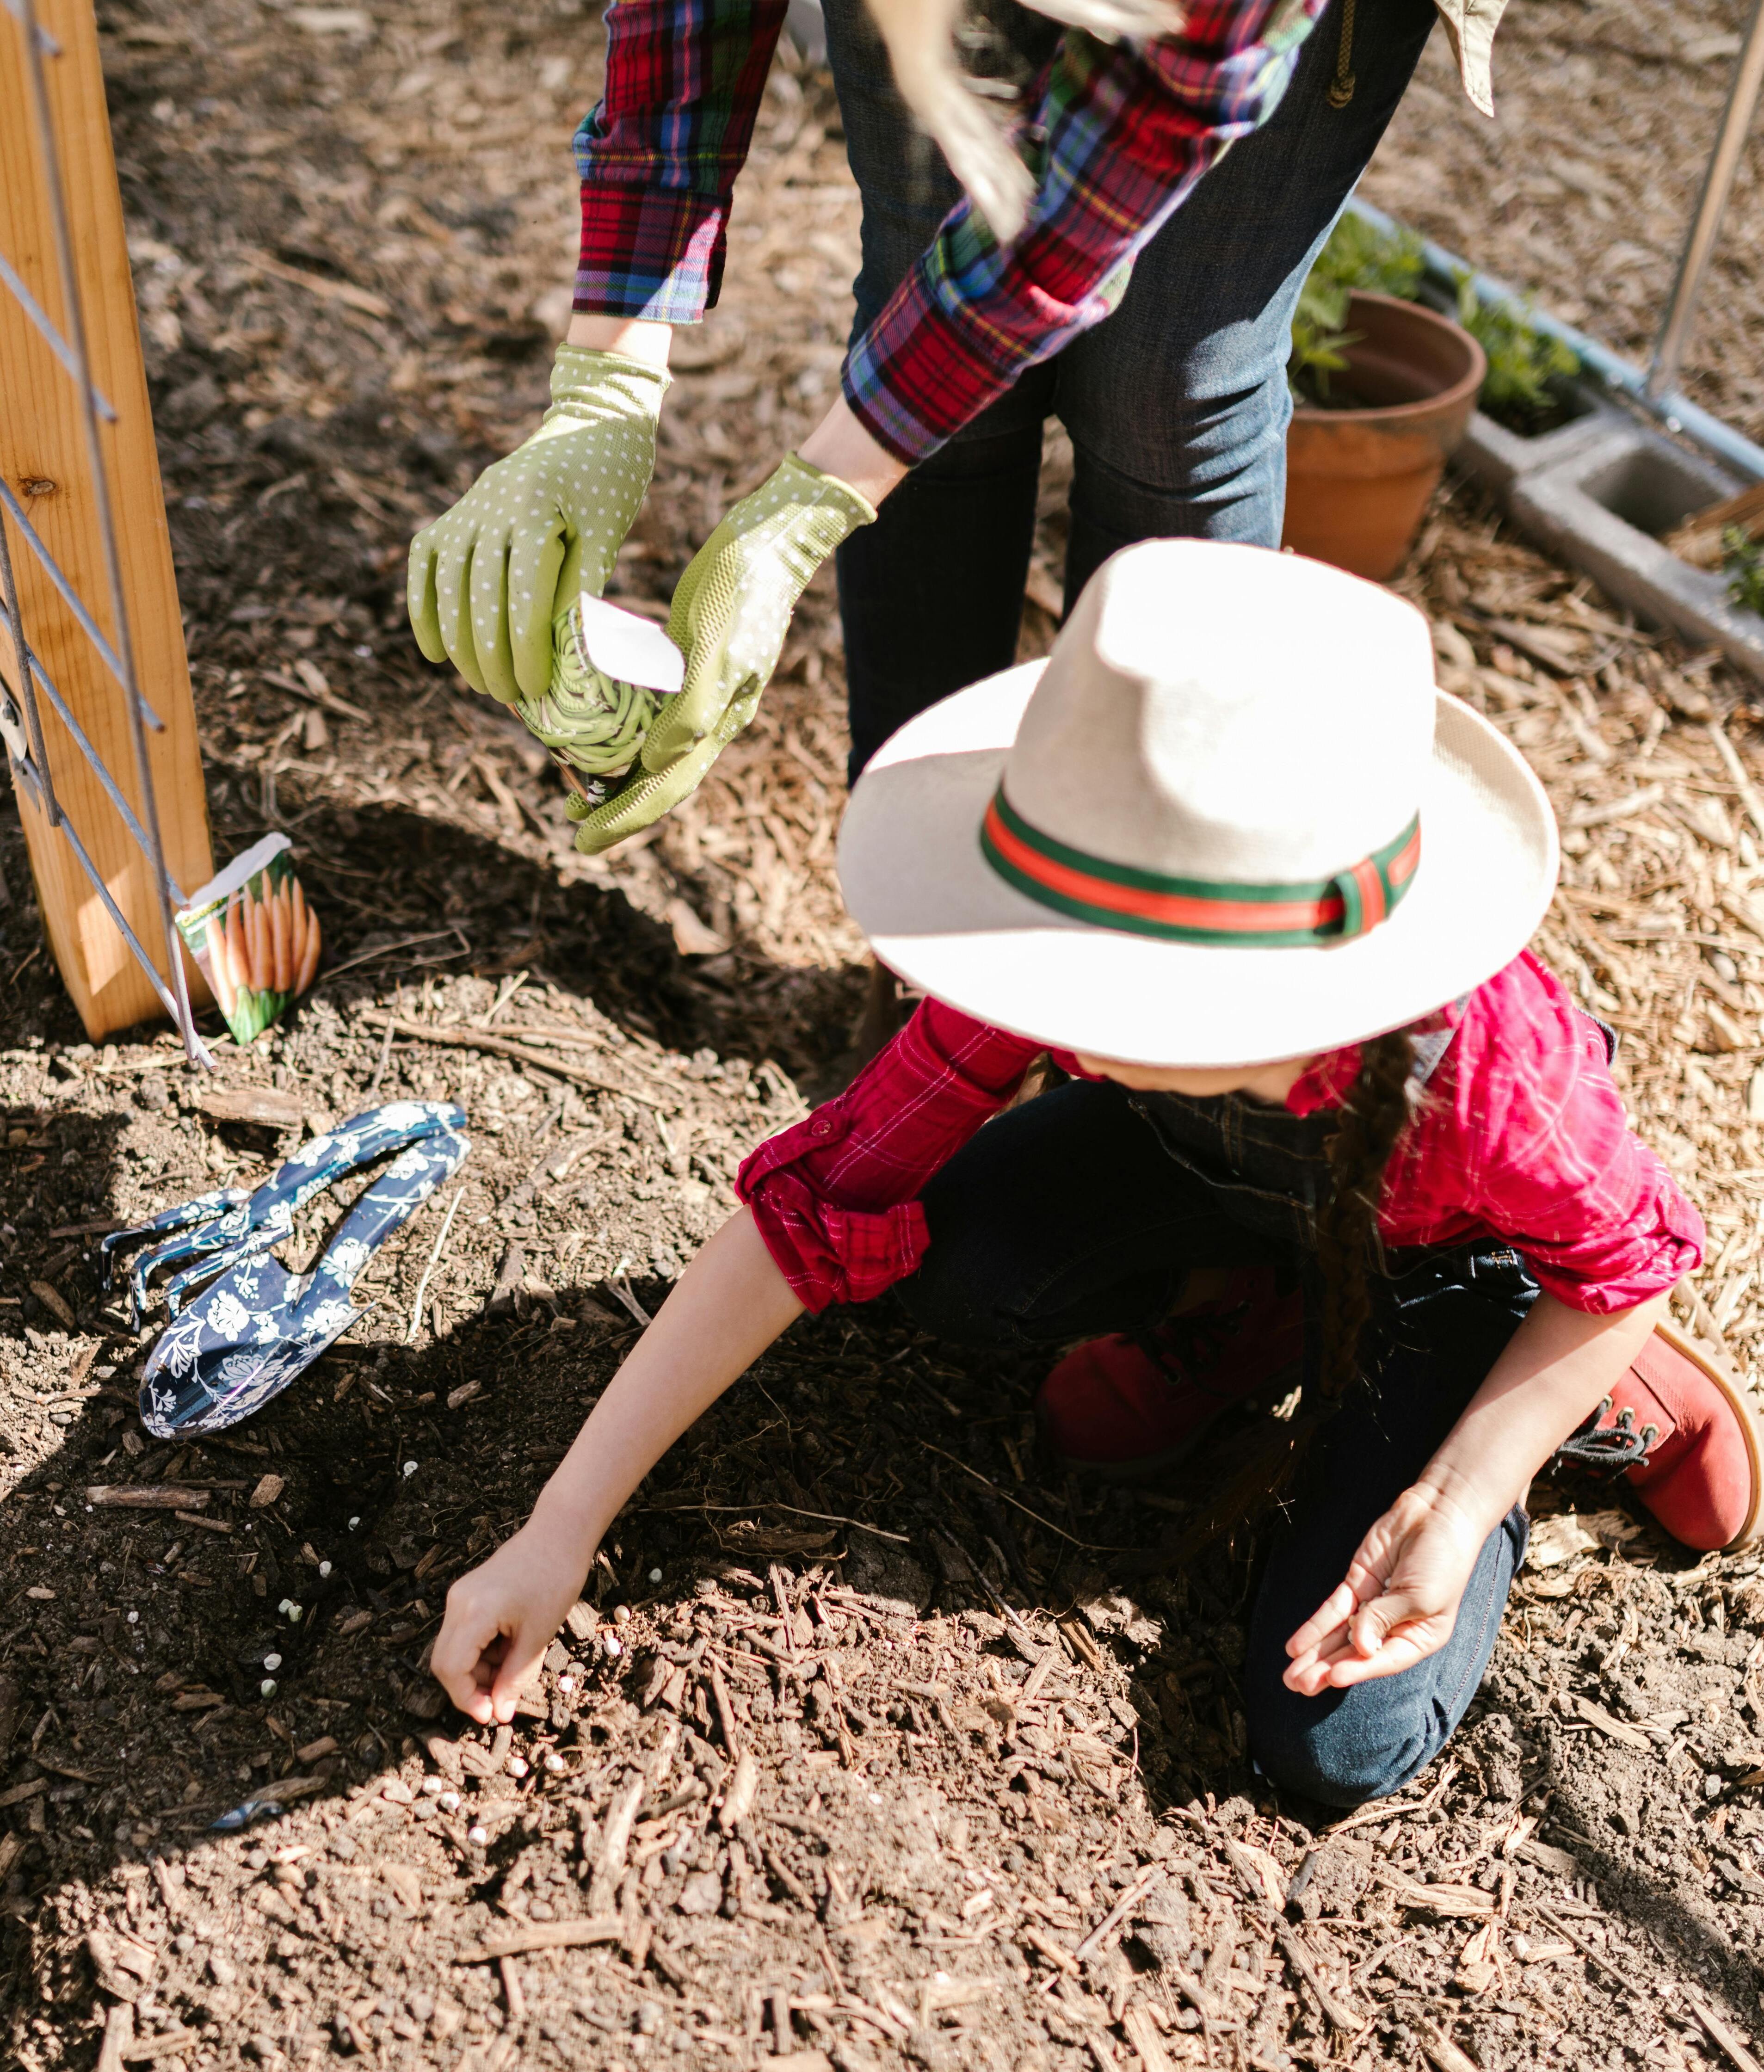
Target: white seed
134 1618
554 1762
566 1682
272 1662
434 1786
267 1689
477 1836
410 1467
449 1802
610 1642
517 1766
353 1523
655 1575
324 1568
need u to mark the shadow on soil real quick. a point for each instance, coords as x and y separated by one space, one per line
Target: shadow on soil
136 1702
157 1669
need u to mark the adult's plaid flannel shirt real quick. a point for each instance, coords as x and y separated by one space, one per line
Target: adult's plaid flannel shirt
1122 133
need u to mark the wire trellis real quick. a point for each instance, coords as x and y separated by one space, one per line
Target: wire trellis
21 722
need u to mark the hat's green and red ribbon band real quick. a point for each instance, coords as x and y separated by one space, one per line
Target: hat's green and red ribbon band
1198 910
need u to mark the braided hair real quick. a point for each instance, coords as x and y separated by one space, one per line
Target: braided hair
1377 1109
1379 1105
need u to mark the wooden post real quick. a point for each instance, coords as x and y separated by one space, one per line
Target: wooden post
44 460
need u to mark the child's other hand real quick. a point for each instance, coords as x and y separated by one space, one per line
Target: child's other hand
500 1620
1399 1601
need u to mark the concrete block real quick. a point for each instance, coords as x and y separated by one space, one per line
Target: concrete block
1601 505
1497 458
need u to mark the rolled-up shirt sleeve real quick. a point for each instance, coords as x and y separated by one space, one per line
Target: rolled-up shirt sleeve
1128 128
658 155
836 1196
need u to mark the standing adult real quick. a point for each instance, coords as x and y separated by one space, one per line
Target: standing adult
1105 281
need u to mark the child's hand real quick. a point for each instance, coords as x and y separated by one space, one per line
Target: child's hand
500 1619
1400 1602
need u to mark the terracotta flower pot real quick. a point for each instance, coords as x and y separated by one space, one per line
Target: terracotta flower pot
1359 480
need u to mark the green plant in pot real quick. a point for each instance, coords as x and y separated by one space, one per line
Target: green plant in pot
1383 389
1356 255
1320 343
1526 365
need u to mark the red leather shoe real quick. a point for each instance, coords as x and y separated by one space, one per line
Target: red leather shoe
1688 1430
1125 1407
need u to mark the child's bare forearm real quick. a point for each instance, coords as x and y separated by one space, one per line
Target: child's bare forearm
728 1305
1556 1367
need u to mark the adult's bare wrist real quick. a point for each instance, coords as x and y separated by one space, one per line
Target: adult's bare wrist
841 445
637 338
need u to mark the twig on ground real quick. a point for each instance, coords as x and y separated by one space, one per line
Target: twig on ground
1118 1912
1588 1951
119 2032
824 1517
379 1070
1728 2041
1445 2053
456 1035
546 1935
1089 1546
620 1287
434 1259
1376 1815
1742 783
1339 2015
388 949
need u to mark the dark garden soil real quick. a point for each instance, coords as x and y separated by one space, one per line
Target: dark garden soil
872 1742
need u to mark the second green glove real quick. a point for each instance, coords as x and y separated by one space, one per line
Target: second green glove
731 614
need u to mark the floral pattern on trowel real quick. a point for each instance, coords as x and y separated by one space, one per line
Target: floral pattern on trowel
256 1326
259 1222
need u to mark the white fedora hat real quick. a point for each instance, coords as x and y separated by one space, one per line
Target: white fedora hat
1229 820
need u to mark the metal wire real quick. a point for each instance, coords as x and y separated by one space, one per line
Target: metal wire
119 659
46 43
22 773
70 597
58 345
21 649
125 811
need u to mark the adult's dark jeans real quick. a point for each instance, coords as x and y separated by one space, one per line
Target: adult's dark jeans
1067 1218
1177 403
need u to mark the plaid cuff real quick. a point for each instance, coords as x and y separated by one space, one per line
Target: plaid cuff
955 335
911 380
650 252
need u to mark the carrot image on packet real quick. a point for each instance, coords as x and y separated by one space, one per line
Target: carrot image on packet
254 937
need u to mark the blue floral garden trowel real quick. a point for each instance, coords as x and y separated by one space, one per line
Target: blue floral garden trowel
256 1326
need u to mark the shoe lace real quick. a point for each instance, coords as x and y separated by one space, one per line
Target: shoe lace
1186 1348
1608 1449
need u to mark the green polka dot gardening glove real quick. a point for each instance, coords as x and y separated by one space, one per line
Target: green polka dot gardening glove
485 577
730 617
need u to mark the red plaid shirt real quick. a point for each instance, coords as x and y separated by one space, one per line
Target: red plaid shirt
1122 132
1523 1137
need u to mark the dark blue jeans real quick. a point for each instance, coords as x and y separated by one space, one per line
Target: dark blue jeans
1177 403
1069 1217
